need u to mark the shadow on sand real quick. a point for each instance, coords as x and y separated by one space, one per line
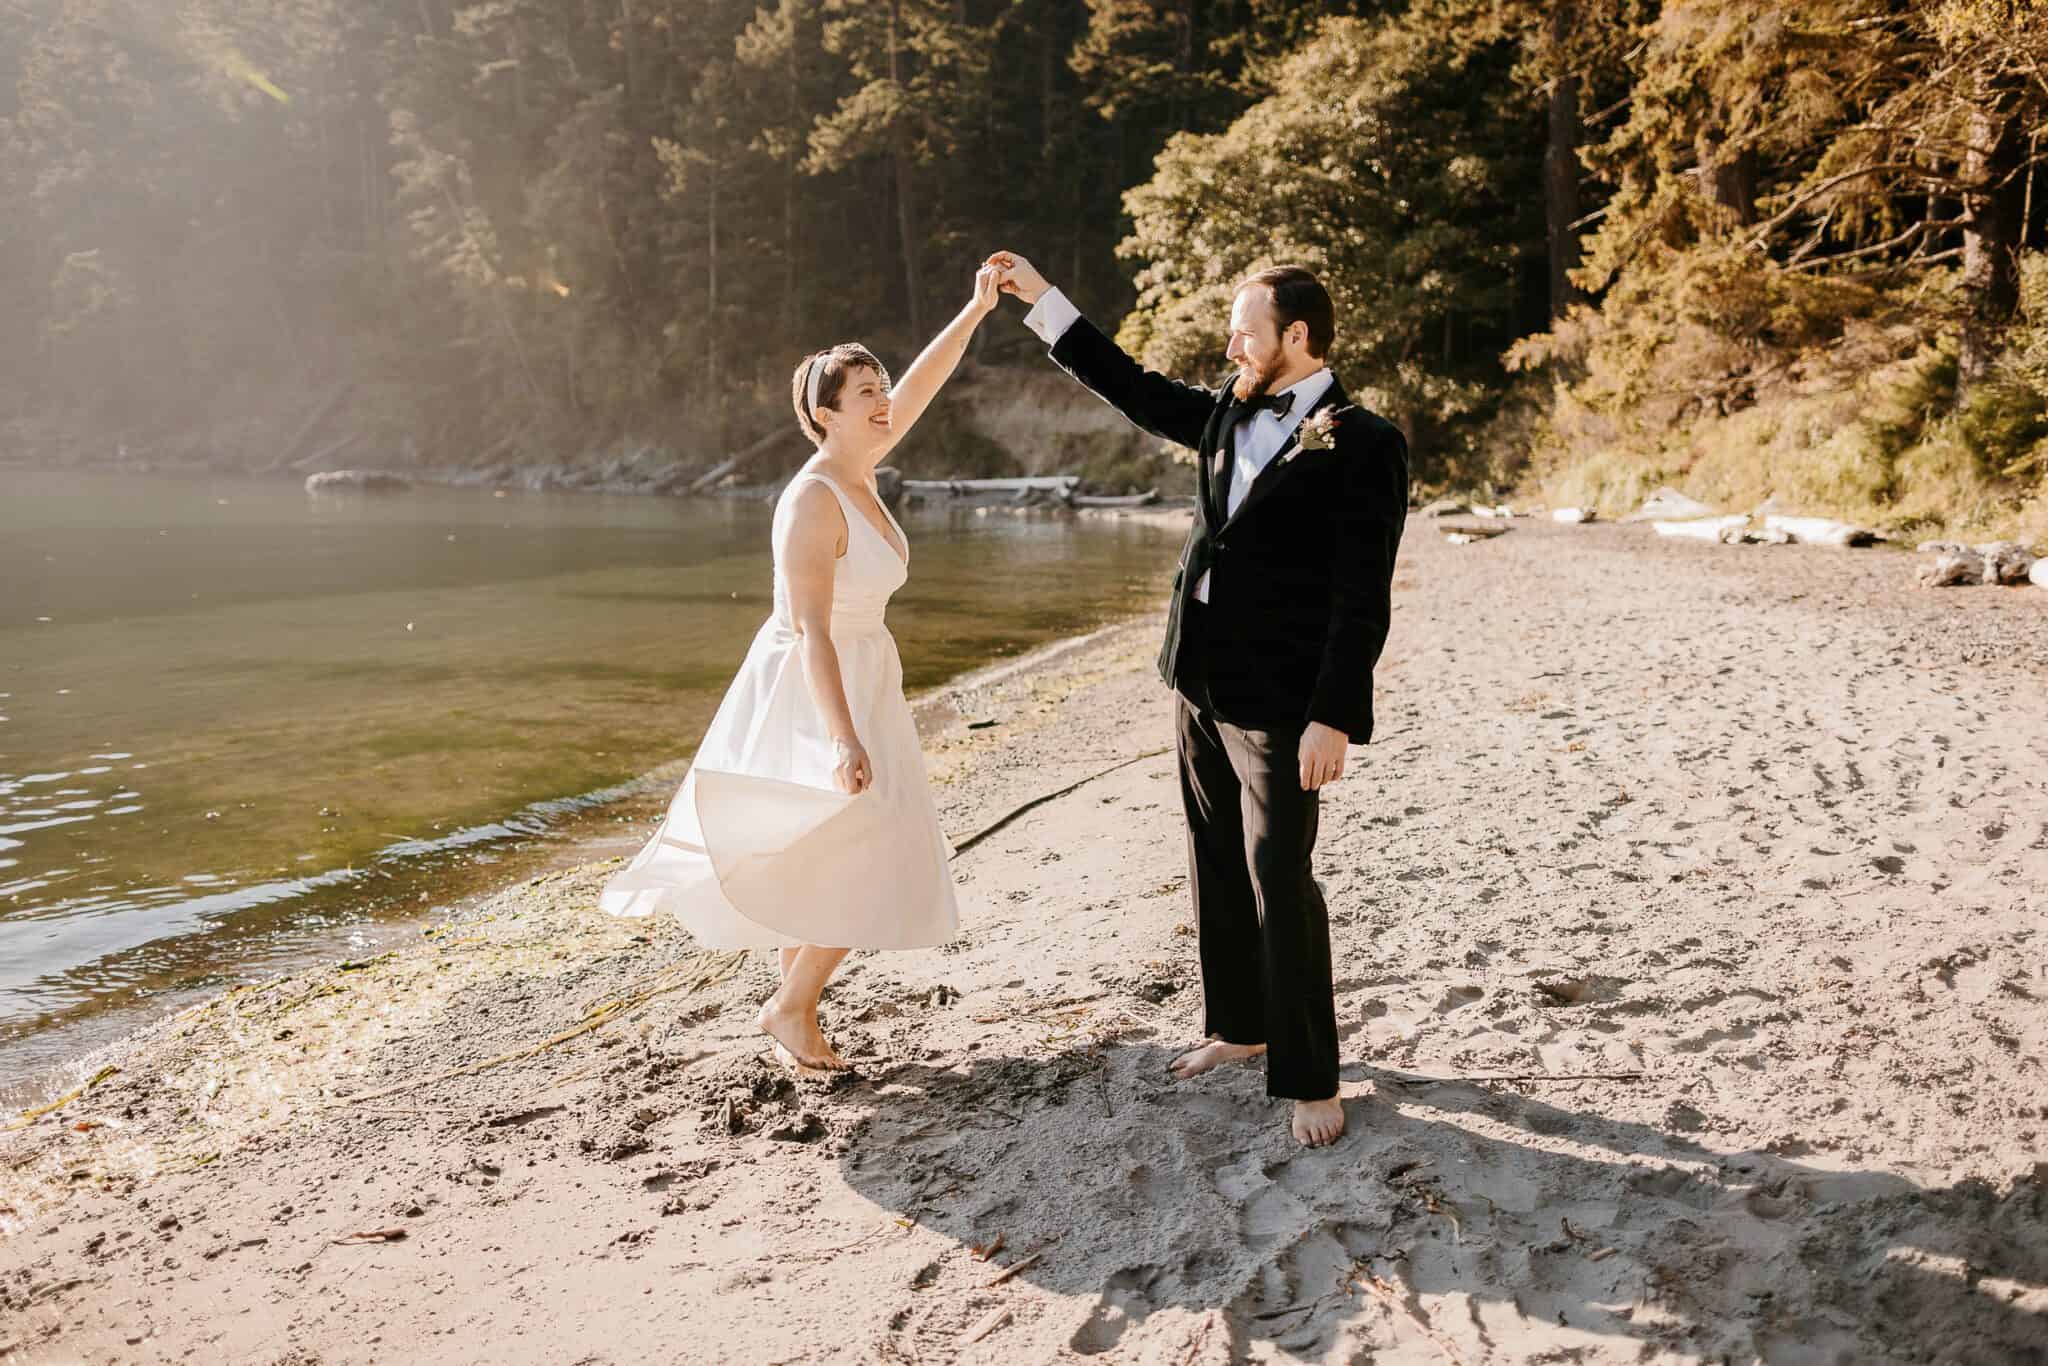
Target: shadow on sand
1453 1219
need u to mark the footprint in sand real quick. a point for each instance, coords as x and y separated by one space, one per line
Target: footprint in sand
1126 1299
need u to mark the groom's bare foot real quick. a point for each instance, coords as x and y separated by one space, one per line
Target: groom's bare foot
797 1034
1318 1122
1214 1053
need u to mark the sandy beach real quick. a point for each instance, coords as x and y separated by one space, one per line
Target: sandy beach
1689 938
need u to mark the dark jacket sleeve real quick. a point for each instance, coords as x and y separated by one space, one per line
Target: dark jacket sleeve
1165 407
1372 463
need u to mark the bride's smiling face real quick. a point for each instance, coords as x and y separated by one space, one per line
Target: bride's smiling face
861 417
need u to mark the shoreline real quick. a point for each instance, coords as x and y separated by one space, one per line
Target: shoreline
1685 934
584 834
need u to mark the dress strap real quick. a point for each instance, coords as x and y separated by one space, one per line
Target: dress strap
846 507
845 503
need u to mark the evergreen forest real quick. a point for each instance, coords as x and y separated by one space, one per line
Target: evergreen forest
1578 249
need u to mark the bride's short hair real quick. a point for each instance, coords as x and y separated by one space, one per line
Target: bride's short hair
821 376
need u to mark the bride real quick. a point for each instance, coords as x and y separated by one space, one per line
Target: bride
805 823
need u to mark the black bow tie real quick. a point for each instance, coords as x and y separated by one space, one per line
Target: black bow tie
1276 404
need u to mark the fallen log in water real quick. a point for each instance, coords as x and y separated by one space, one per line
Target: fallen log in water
290 455
714 474
356 481
740 459
1061 484
1128 500
327 452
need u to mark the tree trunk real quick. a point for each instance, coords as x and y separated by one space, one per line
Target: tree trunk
1729 180
906 215
1990 280
789 193
713 334
1561 201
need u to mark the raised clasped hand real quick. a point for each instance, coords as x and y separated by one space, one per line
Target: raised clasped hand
987 288
1018 276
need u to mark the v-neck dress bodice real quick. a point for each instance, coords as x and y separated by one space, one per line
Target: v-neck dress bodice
759 848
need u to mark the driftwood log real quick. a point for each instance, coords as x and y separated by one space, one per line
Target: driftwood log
327 452
1669 505
356 481
1060 485
1467 534
290 455
741 458
1128 500
1821 531
1960 566
2006 562
1700 528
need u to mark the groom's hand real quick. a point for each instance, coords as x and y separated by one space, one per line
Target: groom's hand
1019 276
1322 755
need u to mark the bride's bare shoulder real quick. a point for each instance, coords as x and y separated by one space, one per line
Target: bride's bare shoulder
810 514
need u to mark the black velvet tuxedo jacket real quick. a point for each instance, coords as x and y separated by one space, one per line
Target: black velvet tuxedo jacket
1299 597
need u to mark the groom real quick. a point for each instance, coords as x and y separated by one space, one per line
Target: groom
1279 610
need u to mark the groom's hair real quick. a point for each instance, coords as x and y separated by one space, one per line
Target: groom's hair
1299 297
834 365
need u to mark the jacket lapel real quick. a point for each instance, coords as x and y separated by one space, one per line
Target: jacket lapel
1205 462
1283 461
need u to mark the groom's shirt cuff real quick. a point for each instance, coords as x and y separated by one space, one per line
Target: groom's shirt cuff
1051 316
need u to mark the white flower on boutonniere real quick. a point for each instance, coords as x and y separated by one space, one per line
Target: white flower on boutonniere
1318 431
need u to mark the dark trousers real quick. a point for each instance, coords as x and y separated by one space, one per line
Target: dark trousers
1265 932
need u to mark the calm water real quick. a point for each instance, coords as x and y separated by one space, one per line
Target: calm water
240 726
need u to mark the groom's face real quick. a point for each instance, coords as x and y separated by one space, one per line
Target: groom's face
1254 342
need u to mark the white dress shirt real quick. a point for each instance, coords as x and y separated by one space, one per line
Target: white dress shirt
1259 437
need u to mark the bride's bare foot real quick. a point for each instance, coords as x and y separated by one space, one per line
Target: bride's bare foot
1214 1053
797 1035
1318 1122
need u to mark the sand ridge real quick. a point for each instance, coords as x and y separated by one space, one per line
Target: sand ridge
1756 841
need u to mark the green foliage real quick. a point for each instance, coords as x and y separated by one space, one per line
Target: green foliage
1808 238
2005 419
1392 164
1800 268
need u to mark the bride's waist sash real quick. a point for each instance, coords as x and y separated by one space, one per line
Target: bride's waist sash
848 618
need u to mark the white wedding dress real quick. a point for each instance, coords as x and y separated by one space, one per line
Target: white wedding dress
759 848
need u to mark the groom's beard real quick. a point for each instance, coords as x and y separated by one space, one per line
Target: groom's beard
1254 379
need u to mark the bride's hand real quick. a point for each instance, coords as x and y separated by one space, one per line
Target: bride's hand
1018 276
988 288
850 769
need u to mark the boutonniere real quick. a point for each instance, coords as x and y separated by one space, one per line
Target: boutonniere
1318 431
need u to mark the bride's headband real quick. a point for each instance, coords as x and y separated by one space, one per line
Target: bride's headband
817 373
